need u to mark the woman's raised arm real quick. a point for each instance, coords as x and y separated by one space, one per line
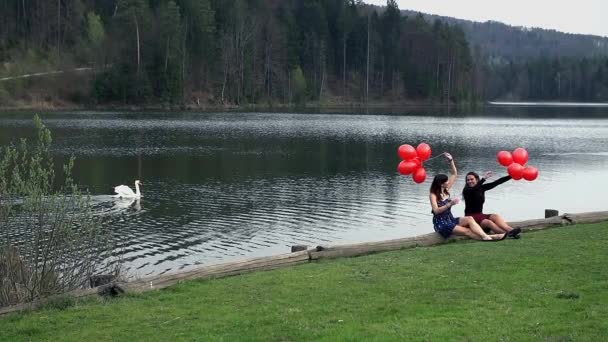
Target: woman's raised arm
453 170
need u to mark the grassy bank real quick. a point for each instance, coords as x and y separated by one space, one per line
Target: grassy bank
549 285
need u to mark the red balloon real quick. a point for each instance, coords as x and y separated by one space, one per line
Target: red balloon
530 173
407 152
424 151
419 175
520 156
504 158
407 167
418 162
515 170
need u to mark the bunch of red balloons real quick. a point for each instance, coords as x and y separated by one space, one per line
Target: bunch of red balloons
412 161
516 164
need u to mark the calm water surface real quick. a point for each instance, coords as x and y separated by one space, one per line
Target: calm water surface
220 187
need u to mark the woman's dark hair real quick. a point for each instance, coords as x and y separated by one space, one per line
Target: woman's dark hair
436 185
472 174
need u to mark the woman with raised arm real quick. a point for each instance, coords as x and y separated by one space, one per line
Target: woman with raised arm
474 198
444 222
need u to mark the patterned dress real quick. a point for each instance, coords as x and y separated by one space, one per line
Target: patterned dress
445 222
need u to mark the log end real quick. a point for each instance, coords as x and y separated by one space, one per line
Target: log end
298 248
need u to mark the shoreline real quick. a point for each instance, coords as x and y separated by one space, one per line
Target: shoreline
300 254
192 107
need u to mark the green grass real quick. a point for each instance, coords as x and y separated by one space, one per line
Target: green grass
550 285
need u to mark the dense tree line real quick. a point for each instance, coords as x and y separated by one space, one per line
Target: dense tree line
572 79
243 51
236 52
501 42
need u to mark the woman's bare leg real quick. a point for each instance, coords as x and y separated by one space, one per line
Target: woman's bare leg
469 222
489 224
460 230
500 222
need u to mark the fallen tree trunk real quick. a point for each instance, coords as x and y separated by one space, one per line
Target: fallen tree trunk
217 271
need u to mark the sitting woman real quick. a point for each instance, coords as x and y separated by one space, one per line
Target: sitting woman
443 221
474 198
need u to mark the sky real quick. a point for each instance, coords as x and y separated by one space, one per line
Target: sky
580 16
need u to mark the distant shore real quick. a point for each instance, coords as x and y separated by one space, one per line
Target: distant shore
313 105
316 106
548 104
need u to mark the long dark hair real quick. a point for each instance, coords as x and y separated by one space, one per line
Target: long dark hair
436 185
474 174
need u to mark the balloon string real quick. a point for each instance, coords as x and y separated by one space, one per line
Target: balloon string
437 156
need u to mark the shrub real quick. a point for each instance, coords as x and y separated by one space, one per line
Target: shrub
51 241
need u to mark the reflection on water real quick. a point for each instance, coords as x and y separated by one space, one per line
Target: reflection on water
229 186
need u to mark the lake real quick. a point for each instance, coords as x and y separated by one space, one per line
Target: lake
224 186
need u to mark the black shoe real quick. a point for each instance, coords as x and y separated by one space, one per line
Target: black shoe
514 233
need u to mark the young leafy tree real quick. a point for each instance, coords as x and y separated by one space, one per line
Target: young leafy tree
299 86
51 241
95 36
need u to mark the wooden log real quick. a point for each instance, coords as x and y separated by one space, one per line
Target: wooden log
159 282
18 308
551 213
589 217
332 252
425 240
217 271
540 223
80 293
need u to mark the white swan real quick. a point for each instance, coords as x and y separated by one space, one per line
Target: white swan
124 191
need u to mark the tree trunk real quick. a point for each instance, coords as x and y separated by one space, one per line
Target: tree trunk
253 72
382 78
167 54
58 25
288 85
344 65
451 65
322 66
367 68
137 35
184 58
437 76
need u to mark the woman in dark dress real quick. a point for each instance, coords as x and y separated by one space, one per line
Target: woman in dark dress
474 198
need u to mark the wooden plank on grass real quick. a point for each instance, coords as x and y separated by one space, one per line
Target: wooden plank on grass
339 251
540 223
589 217
217 271
80 293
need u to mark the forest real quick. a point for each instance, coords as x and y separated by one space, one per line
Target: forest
272 52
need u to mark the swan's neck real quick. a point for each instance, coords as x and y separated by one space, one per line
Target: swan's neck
137 193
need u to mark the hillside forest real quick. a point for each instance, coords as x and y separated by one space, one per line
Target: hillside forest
243 52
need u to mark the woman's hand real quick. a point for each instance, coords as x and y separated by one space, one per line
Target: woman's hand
448 156
488 174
